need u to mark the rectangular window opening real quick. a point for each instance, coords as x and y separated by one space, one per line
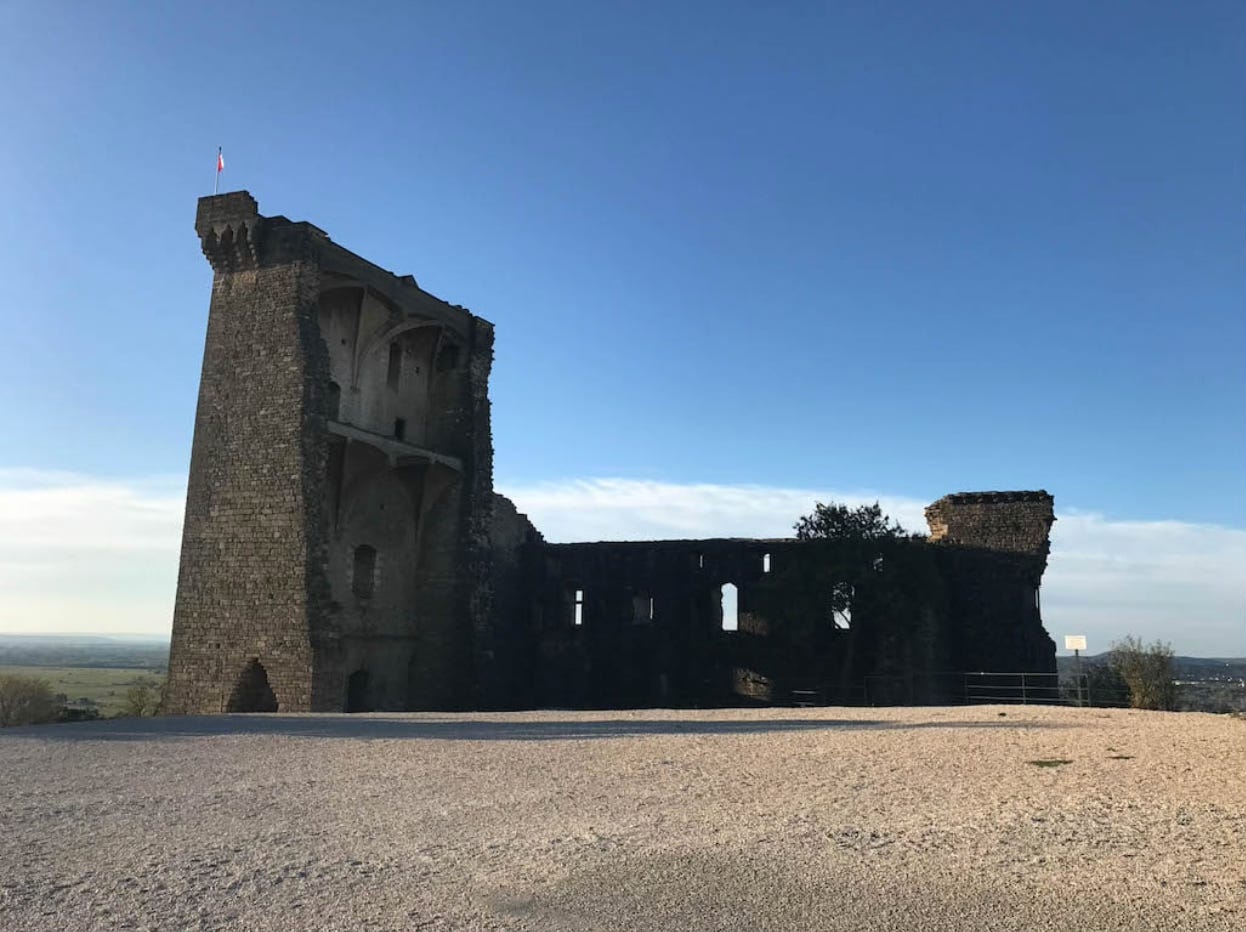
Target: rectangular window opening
765 563
394 372
400 428
579 607
730 607
642 609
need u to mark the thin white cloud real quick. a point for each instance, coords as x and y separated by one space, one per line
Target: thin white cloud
85 554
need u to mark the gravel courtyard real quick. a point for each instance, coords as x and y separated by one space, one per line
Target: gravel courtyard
777 819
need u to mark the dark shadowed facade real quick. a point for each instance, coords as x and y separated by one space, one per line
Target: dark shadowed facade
343 548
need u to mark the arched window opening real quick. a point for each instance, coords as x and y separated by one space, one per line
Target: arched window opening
333 401
841 605
394 372
252 693
448 358
730 607
358 695
765 563
363 579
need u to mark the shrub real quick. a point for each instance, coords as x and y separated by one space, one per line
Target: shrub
1101 685
143 698
1147 671
25 700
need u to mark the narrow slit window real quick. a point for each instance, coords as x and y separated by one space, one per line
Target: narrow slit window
579 607
400 428
730 607
363 578
394 373
700 561
765 563
333 401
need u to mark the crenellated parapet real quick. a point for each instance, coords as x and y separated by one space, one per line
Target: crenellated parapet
230 231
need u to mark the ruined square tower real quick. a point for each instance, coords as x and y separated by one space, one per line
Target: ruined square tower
335 549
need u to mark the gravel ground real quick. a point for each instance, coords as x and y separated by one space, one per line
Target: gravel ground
777 819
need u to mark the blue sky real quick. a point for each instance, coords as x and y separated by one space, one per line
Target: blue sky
867 248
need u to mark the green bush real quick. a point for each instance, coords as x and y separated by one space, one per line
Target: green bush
25 700
1148 672
1100 685
143 698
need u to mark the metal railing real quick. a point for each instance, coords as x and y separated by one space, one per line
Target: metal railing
985 687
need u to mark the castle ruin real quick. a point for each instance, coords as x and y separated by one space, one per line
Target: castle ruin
344 550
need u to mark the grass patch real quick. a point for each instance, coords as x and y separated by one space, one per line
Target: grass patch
105 686
1050 762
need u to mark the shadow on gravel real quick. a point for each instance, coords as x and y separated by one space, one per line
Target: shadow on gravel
456 729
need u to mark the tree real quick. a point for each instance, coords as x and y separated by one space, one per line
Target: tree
25 700
141 699
839 522
861 528
1148 672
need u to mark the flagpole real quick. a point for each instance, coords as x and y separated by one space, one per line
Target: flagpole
216 186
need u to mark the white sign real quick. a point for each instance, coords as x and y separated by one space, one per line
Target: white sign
1075 642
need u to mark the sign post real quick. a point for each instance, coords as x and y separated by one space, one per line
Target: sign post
1077 643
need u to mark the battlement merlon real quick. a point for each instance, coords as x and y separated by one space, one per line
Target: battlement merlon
1014 522
236 237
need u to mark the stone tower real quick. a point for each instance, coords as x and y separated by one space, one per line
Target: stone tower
1012 522
335 553
995 546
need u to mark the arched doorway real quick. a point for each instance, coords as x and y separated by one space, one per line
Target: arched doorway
357 697
252 692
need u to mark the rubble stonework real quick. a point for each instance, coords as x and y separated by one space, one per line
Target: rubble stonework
343 549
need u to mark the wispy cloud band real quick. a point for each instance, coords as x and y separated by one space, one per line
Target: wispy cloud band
85 554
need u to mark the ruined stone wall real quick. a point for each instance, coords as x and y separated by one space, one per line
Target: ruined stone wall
343 548
652 627
993 548
1012 522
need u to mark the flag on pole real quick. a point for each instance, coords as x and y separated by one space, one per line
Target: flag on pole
220 161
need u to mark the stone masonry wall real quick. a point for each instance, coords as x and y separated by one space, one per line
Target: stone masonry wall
1016 522
243 583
